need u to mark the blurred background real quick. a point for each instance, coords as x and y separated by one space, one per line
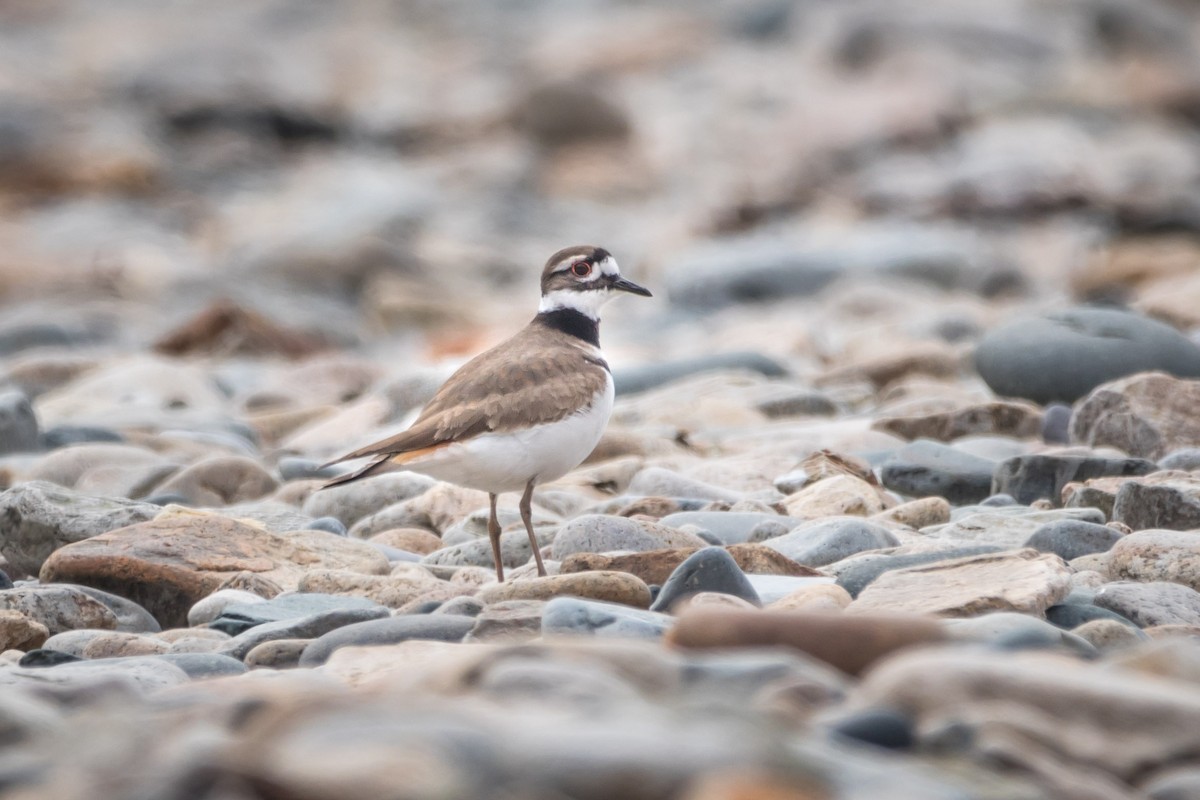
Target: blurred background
393 173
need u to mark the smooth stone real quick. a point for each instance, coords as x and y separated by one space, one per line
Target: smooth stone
1107 635
412 540
220 481
1024 580
881 727
1056 424
1062 356
1041 476
1068 615
729 527
19 430
437 508
1179 783
41 518
1070 538
352 502
656 566
660 482
1006 527
1146 415
204 665
1157 556
825 541
168 564
797 403
310 626
329 525
209 608
294 468
515 550
917 514
59 608
594 533
840 495
612 587
1150 604
770 588
1185 459
1013 632
508 621
20 632
5 581
827 597
710 569
630 380
114 644
932 469
393 590
570 616
856 574
236 619
141 674
392 630
463 606
1171 506
277 654
44 657
1018 420
849 643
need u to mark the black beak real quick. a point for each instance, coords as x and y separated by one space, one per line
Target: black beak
626 285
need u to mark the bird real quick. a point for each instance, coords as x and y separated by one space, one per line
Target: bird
525 412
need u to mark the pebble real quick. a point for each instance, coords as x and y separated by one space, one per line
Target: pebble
819 597
1007 527
507 621
613 587
855 574
571 616
711 569
1000 418
206 610
412 540
1023 580
19 631
235 618
220 481
1146 416
1157 556
593 533
729 527
351 502
310 626
1037 477
1062 356
1153 603
825 541
390 630
1056 424
59 608
1072 538
836 496
932 469
1186 459
515 550
881 727
393 591
656 566
19 430
632 379
1169 504
276 654
1107 634
329 525
659 482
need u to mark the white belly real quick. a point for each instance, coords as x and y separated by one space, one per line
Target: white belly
506 462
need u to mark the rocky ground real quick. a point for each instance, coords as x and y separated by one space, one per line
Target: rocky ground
901 494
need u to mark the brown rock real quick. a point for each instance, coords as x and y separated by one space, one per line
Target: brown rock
1146 415
508 621
220 481
1167 499
1107 634
825 597
654 507
169 563
614 587
711 600
655 566
117 644
414 540
1021 580
393 591
837 496
1157 556
1175 301
252 582
1131 262
917 514
226 328
59 608
277 654
19 632
824 464
849 643
997 418
936 360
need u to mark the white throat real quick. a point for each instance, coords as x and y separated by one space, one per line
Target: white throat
587 303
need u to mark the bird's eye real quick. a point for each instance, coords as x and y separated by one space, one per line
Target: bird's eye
581 269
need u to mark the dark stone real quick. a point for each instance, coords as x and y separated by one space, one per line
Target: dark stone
882 727
241 617
307 627
5 581
711 569
391 630
65 435
1036 477
1071 538
46 658
798 404
630 380
131 617
1063 356
1056 424
1143 506
856 577
329 525
18 424
926 468
1070 616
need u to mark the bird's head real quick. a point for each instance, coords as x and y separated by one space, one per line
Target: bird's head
583 278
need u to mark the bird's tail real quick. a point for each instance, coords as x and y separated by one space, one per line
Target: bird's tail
376 467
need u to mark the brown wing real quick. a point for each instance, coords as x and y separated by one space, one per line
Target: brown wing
531 379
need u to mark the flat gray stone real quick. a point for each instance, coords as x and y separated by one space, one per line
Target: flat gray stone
825 541
391 630
1149 604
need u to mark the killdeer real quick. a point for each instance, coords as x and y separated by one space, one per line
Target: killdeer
527 411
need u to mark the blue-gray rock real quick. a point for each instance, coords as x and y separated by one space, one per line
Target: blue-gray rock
306 627
37 518
572 616
1008 630
998 500
64 435
1043 476
856 575
203 665
1162 506
392 630
926 468
329 525
629 380
1152 603
731 527
294 468
18 424
1056 424
15 338
138 673
824 541
883 727
240 617
1061 357
46 657
353 502
661 482
1071 538
1070 616
1186 459
515 550
5 581
167 499
710 569
131 617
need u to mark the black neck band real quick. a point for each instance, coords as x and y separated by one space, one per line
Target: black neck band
573 323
